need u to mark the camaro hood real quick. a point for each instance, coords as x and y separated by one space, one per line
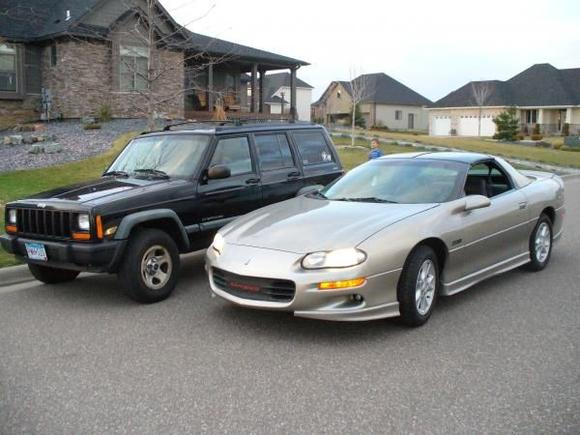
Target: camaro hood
304 224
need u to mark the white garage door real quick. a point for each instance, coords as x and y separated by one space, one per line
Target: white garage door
441 126
469 125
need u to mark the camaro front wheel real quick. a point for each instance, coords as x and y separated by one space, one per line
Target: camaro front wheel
418 286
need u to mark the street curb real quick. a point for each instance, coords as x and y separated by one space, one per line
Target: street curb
14 275
570 177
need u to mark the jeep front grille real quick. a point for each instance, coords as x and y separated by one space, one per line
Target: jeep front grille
55 224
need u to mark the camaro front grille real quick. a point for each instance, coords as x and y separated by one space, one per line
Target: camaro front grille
55 224
250 287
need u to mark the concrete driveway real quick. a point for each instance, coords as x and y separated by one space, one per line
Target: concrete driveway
501 357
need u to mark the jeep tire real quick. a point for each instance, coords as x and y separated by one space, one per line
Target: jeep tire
148 272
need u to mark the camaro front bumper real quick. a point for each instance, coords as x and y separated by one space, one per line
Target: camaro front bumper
93 257
375 299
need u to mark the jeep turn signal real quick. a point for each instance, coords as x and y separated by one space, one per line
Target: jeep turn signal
337 285
11 229
81 236
99 223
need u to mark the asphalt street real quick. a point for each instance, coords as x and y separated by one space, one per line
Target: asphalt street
501 357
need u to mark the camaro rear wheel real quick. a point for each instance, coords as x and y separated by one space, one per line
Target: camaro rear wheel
52 275
541 244
418 286
149 271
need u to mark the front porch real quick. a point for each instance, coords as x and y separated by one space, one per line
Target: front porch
235 86
551 121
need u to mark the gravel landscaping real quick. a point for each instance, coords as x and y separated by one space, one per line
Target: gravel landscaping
76 142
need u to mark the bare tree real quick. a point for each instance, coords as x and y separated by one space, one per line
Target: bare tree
480 92
359 92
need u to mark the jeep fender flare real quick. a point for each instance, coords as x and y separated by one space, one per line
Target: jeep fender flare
131 221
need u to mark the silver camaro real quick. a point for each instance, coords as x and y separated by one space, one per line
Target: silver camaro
389 237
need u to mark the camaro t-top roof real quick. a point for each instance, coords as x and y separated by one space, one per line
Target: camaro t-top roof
454 156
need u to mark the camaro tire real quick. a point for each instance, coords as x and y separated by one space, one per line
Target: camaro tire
418 286
52 275
541 241
149 271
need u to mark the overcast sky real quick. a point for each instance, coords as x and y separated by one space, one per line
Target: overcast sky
432 46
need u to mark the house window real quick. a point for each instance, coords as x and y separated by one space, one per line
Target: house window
8 68
338 94
398 115
134 61
531 116
53 54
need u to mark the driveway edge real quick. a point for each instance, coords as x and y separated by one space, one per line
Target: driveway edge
14 275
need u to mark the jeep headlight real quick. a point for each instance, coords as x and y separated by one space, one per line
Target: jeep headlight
83 222
12 216
347 257
218 243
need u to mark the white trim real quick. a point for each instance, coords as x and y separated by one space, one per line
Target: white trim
563 106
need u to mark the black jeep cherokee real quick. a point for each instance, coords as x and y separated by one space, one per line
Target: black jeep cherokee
166 193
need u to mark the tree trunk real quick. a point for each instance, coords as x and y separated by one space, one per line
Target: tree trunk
353 125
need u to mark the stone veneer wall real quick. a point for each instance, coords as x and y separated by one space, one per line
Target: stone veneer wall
82 82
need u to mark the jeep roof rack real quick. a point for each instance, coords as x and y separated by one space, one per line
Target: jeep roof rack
234 122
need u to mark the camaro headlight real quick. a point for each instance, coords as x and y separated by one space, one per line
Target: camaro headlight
339 258
12 217
84 222
218 243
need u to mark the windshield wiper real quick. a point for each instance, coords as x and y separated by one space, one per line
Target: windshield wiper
318 194
151 171
367 199
115 174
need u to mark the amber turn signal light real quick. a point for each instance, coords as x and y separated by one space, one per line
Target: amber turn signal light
337 285
11 228
81 236
99 223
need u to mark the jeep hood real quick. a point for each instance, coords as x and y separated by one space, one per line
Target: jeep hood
301 225
103 190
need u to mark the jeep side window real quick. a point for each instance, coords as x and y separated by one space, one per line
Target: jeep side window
233 152
313 147
274 151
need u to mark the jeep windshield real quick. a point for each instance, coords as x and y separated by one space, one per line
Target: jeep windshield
161 156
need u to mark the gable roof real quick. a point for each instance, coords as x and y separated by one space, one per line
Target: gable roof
36 20
273 82
539 85
381 89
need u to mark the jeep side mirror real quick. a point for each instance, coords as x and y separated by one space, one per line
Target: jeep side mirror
474 202
218 172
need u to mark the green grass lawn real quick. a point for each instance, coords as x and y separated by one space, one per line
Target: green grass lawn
19 184
537 154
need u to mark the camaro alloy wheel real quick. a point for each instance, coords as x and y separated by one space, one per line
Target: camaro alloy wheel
418 286
156 267
425 287
543 242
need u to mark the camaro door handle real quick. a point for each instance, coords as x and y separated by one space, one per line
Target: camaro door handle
252 181
523 205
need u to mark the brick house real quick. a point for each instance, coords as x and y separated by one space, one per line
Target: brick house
543 96
86 54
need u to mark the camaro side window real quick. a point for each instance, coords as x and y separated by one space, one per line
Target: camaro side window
274 151
486 179
313 148
233 152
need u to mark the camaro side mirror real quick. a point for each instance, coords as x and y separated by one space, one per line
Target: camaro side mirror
474 202
218 172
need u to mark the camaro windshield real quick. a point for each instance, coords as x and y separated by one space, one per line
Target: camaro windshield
168 155
405 181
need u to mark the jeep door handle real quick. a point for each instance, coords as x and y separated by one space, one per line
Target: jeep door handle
252 181
294 174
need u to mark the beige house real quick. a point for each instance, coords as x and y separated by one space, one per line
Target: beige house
544 96
385 102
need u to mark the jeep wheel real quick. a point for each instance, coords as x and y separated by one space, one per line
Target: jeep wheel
149 271
52 275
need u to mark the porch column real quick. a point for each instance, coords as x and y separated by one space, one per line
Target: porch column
293 114
210 95
569 115
261 86
540 119
254 84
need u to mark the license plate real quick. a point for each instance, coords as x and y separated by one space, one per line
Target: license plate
36 251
